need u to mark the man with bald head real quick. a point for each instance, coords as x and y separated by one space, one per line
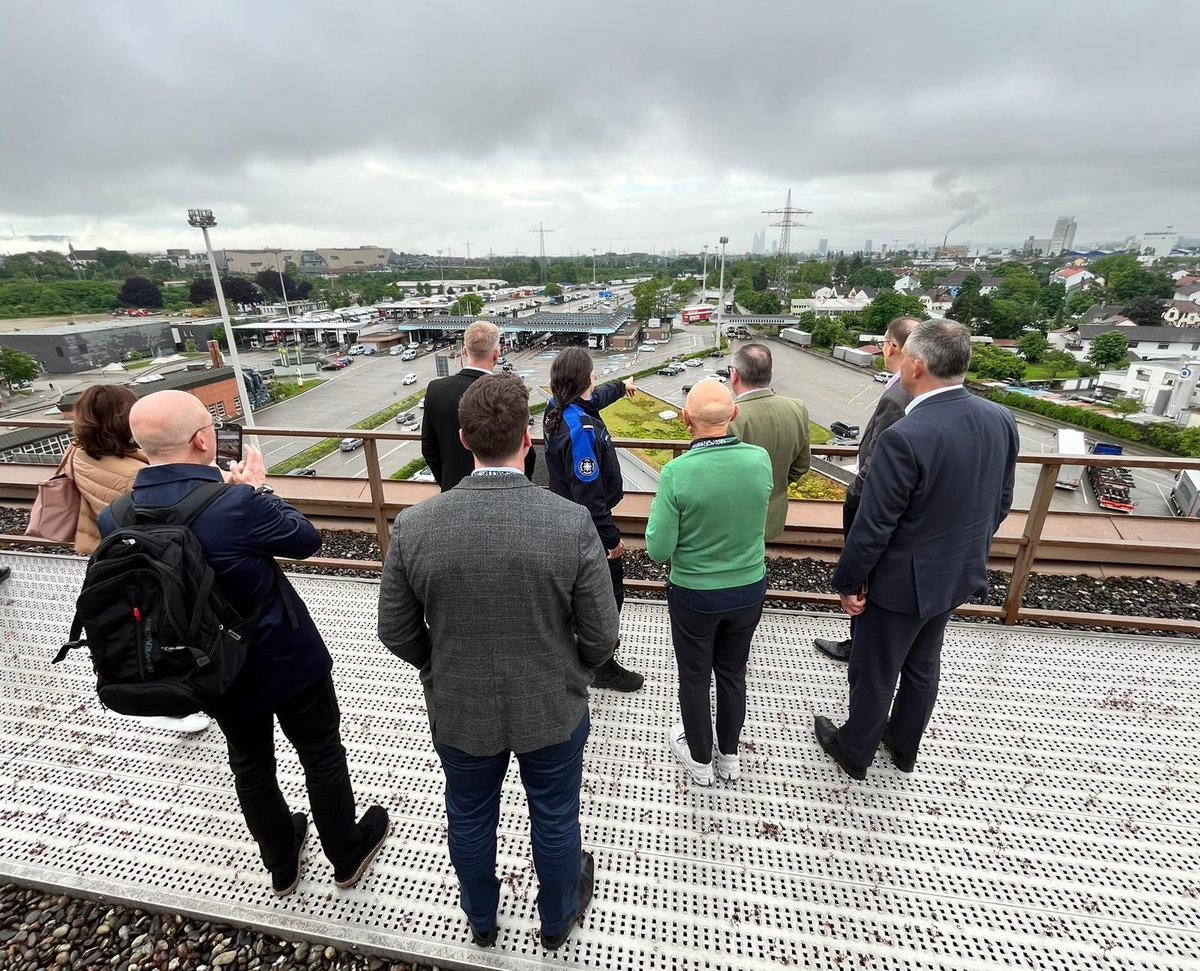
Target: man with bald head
709 519
441 447
287 670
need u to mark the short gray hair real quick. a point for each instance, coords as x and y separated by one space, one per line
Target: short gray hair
480 339
899 329
944 346
753 364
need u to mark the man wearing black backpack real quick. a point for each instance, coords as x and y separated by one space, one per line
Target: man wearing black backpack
286 674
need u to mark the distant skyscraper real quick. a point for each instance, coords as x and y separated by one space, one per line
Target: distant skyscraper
1063 237
867 248
822 248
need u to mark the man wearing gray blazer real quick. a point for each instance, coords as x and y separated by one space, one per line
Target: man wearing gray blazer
499 592
888 410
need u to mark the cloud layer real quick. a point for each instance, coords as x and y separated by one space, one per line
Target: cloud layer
621 126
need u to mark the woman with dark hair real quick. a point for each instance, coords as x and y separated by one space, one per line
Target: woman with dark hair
584 468
104 464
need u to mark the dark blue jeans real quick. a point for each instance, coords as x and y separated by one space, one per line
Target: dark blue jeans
551 776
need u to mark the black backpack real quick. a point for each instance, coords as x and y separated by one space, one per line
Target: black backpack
163 638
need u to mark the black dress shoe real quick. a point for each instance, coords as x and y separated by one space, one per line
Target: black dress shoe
373 827
899 761
827 738
838 650
612 675
483 940
587 885
284 881
5 573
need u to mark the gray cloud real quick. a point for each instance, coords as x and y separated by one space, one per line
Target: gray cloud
635 126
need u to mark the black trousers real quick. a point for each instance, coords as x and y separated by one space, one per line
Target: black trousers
310 720
888 647
849 511
708 646
617 569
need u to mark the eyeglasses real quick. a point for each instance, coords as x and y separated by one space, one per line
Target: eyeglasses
216 425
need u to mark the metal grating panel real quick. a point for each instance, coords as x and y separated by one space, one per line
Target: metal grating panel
1053 822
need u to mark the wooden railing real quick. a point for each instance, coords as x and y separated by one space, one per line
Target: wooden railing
1185 554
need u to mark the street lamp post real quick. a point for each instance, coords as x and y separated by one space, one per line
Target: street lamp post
202 219
704 277
287 309
721 292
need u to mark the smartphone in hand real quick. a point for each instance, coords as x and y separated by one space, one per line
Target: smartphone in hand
229 445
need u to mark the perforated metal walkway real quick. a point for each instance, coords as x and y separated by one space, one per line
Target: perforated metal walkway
1053 821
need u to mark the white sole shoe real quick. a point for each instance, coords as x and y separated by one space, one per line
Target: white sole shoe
187 725
729 767
701 775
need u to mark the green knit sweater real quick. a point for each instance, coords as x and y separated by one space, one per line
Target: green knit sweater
710 514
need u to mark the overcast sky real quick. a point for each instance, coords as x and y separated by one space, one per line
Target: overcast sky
628 126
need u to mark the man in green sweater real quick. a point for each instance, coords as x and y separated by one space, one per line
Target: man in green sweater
709 519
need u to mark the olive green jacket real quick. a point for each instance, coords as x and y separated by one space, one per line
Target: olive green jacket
780 425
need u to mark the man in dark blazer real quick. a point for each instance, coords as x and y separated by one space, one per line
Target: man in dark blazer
499 592
441 447
940 485
888 410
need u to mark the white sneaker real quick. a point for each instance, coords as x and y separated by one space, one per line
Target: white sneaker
187 725
701 775
729 767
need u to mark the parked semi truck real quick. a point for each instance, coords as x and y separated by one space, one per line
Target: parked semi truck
1185 494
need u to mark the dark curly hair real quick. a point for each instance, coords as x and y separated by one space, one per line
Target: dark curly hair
102 421
570 377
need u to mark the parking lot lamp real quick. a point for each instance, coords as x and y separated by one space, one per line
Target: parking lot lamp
721 292
203 219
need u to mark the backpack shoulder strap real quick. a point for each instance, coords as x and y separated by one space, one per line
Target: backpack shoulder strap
183 513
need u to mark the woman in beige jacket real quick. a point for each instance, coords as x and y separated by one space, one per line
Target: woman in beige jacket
104 464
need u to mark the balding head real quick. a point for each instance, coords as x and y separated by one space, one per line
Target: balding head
709 409
165 425
482 342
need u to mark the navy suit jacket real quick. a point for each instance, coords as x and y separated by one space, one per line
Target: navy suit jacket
941 484
240 533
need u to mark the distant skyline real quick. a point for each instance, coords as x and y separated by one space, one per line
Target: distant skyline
625 127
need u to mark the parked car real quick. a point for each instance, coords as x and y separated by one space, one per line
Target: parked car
647 347
370 350
883 377
694 362
346 361
357 349
405 417
425 475
410 379
332 366
308 471
502 359
408 356
350 444
839 440
397 351
723 372
844 429
715 353
413 426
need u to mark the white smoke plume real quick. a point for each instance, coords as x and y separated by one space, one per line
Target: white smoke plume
969 205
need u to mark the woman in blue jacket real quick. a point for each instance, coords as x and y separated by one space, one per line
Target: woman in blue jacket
584 468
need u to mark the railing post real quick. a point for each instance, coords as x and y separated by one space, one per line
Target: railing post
1034 521
375 481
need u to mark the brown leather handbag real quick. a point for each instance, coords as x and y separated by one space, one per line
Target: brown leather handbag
55 513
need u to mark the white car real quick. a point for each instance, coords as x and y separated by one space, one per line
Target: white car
648 347
412 426
694 362
410 379
883 377
397 351
425 475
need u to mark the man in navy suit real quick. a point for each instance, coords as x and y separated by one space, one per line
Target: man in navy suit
941 484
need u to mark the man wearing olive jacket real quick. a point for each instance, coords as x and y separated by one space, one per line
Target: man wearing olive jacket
499 592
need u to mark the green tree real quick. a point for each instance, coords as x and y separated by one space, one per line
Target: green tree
1124 405
1051 299
869 276
552 290
969 305
1079 301
1126 279
1145 311
991 362
140 292
685 287
1109 350
1005 318
468 305
202 290
827 332
887 306
645 305
17 366
1056 362
814 272
1033 346
241 291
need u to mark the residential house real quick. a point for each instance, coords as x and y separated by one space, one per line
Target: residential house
907 283
1145 343
988 282
1160 386
935 302
1189 292
1181 313
1072 276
